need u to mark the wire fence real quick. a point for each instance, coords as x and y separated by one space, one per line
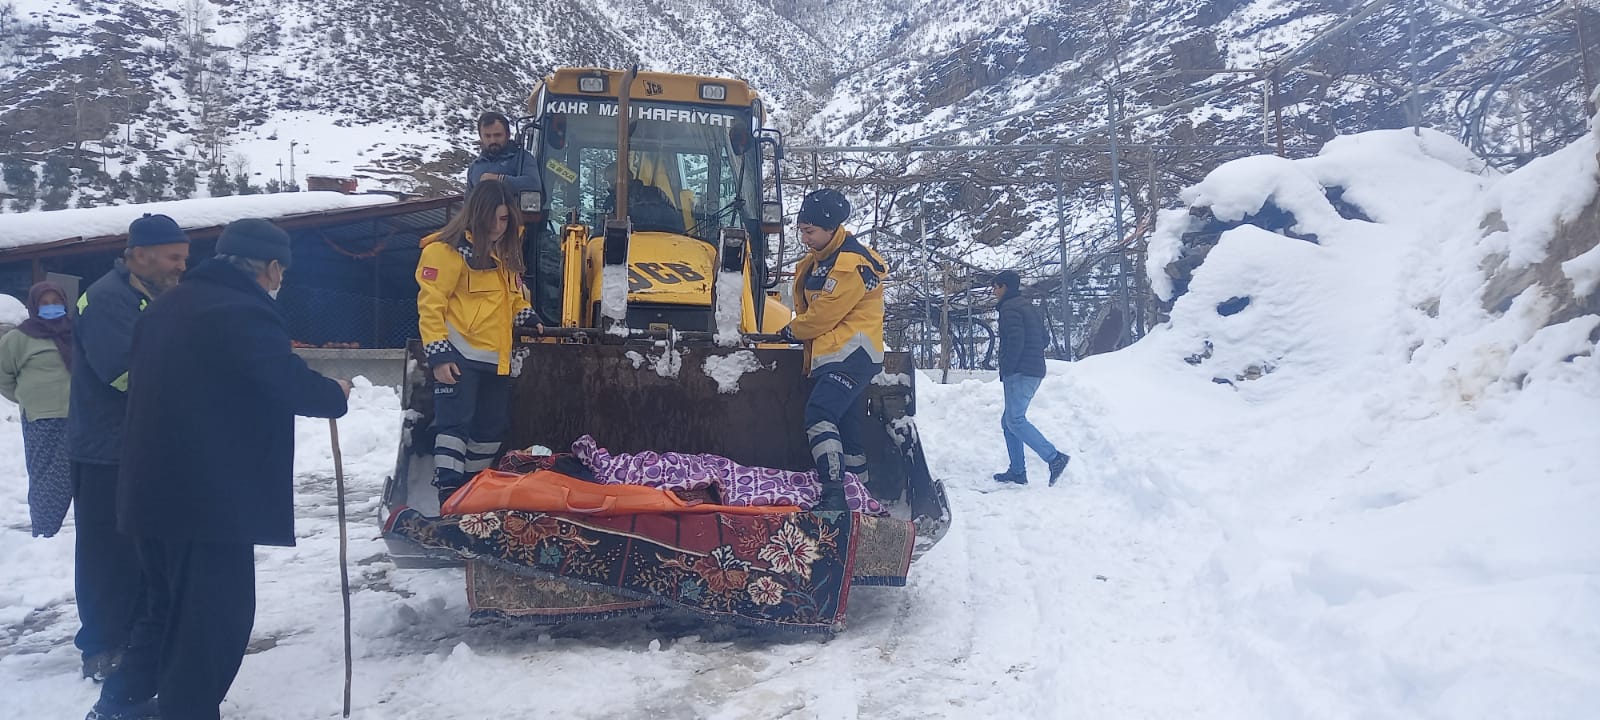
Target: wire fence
319 317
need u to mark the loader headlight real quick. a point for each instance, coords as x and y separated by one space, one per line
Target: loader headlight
713 92
592 84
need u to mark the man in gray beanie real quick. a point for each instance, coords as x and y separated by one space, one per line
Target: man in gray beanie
208 471
106 567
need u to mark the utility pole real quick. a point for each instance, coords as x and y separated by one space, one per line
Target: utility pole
1061 235
1277 117
927 280
1113 111
944 330
1155 211
1583 53
292 181
972 337
1414 105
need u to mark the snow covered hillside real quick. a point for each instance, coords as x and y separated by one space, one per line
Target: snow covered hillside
381 89
1368 493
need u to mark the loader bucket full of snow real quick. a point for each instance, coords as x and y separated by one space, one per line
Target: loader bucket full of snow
746 404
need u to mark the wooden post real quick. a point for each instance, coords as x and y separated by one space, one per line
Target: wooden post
944 329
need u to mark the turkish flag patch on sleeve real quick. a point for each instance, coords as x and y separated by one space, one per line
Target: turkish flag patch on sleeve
429 273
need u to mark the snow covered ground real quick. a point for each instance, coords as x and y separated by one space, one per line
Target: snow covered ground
1397 520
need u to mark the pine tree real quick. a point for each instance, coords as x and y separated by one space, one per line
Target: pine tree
219 185
183 182
152 185
57 183
123 186
273 186
242 183
23 183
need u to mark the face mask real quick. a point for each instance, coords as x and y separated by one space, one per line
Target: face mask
52 312
273 293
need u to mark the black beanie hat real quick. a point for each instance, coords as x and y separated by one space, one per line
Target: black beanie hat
826 208
256 239
155 230
1009 279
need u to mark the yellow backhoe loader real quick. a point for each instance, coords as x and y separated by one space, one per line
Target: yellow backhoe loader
652 265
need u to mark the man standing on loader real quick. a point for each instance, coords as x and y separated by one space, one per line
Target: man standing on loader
500 158
838 300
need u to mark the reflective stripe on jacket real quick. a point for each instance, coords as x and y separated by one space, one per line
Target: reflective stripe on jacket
467 314
838 299
102 345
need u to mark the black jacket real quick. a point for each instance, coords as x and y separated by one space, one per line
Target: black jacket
209 450
101 340
1022 338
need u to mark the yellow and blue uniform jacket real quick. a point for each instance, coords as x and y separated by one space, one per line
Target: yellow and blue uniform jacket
838 300
465 313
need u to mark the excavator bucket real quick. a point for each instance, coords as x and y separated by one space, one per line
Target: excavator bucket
746 404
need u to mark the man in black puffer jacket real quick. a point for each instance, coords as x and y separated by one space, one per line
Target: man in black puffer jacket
1022 344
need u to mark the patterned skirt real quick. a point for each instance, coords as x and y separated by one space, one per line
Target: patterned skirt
49 473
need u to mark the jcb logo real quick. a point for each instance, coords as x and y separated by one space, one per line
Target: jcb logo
653 88
648 275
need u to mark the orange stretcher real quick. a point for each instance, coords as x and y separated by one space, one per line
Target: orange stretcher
550 491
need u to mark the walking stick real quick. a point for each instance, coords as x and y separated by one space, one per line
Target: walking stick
344 568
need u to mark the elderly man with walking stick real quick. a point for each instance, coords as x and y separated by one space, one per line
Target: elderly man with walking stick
208 471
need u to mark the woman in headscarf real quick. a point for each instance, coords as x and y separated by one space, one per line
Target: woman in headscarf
36 373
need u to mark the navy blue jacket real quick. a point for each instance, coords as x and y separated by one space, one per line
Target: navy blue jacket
506 164
1022 338
209 450
101 339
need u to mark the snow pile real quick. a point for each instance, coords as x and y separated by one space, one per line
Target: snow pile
666 363
614 295
1405 489
729 307
12 310
17 230
727 369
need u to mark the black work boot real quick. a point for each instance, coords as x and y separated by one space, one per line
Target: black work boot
444 495
832 498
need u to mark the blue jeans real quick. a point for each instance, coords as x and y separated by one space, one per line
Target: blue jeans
1019 390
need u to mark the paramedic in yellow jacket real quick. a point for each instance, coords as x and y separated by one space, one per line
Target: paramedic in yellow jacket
838 300
470 300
